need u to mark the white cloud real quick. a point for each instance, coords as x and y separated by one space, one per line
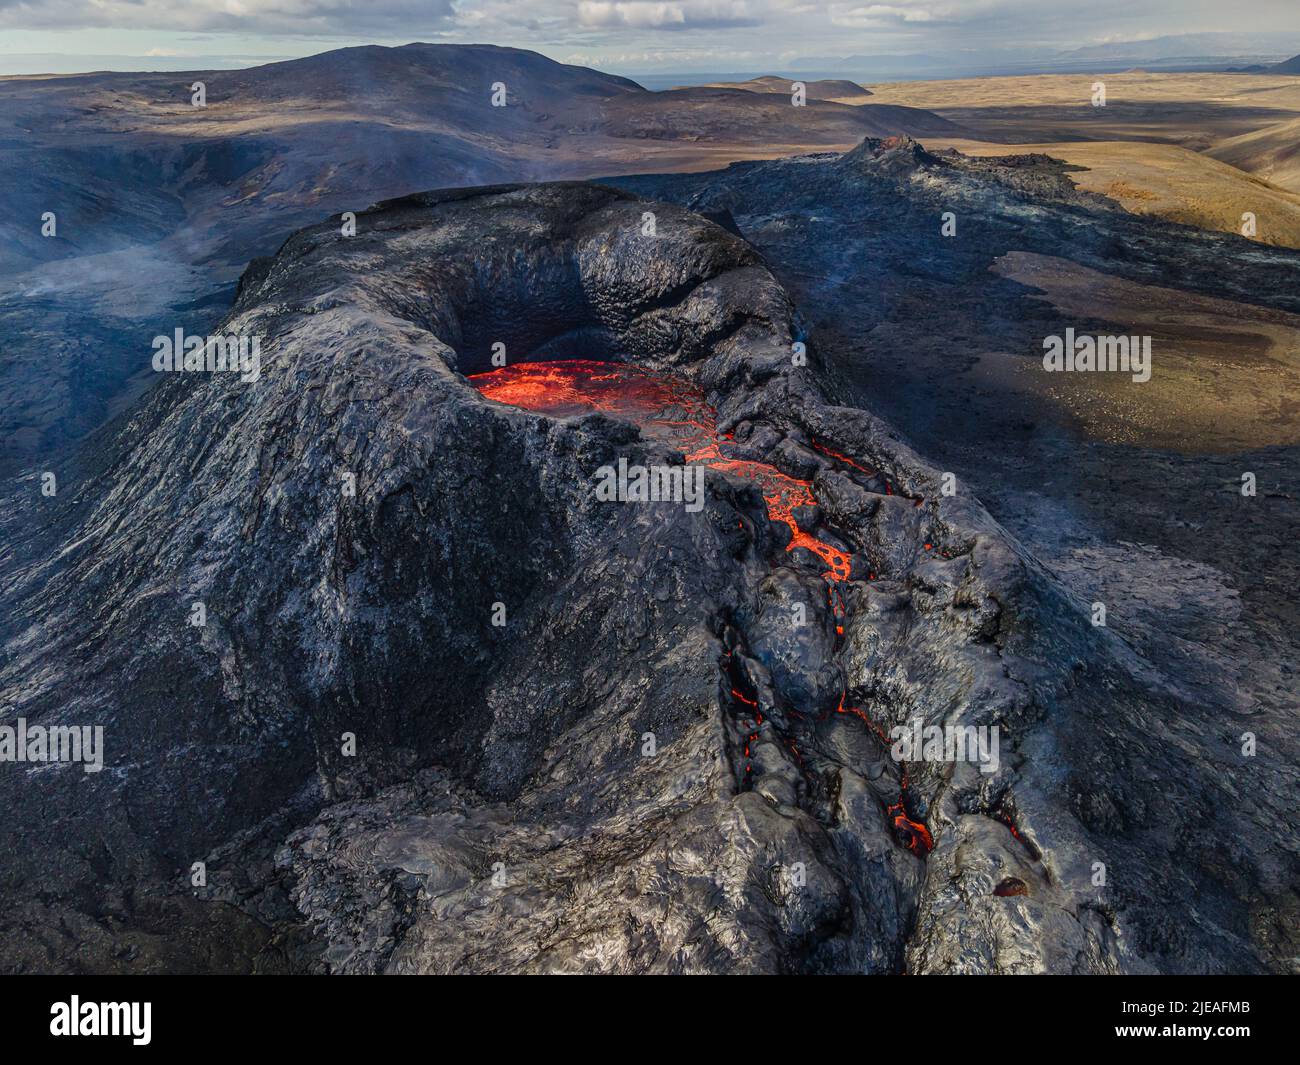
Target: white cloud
911 13
286 17
678 31
670 15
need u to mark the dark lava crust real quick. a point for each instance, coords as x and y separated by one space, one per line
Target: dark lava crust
499 814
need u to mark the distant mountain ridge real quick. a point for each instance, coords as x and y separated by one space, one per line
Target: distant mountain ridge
369 120
1202 51
1183 45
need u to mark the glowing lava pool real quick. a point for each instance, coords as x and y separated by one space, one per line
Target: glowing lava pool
665 408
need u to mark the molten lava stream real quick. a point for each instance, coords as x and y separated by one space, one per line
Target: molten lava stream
915 836
665 408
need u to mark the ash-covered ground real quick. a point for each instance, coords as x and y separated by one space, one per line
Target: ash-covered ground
450 712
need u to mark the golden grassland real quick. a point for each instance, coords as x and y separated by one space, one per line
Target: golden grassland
1225 376
1201 149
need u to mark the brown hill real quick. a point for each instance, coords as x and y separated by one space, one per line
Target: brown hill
1271 153
359 124
834 89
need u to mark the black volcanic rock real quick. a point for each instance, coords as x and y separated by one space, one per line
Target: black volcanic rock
353 519
899 155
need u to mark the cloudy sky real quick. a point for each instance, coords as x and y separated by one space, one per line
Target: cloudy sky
622 35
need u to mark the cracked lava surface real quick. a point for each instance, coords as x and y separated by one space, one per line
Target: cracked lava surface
675 412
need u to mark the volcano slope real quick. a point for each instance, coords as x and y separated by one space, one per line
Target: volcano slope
450 712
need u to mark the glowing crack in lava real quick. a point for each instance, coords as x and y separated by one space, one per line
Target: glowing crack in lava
912 834
665 408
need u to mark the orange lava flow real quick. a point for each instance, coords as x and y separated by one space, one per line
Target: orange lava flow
916 837
665 408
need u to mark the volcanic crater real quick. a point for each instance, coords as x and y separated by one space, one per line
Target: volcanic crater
583 736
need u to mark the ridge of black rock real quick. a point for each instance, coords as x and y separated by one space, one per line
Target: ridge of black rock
889 155
499 814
